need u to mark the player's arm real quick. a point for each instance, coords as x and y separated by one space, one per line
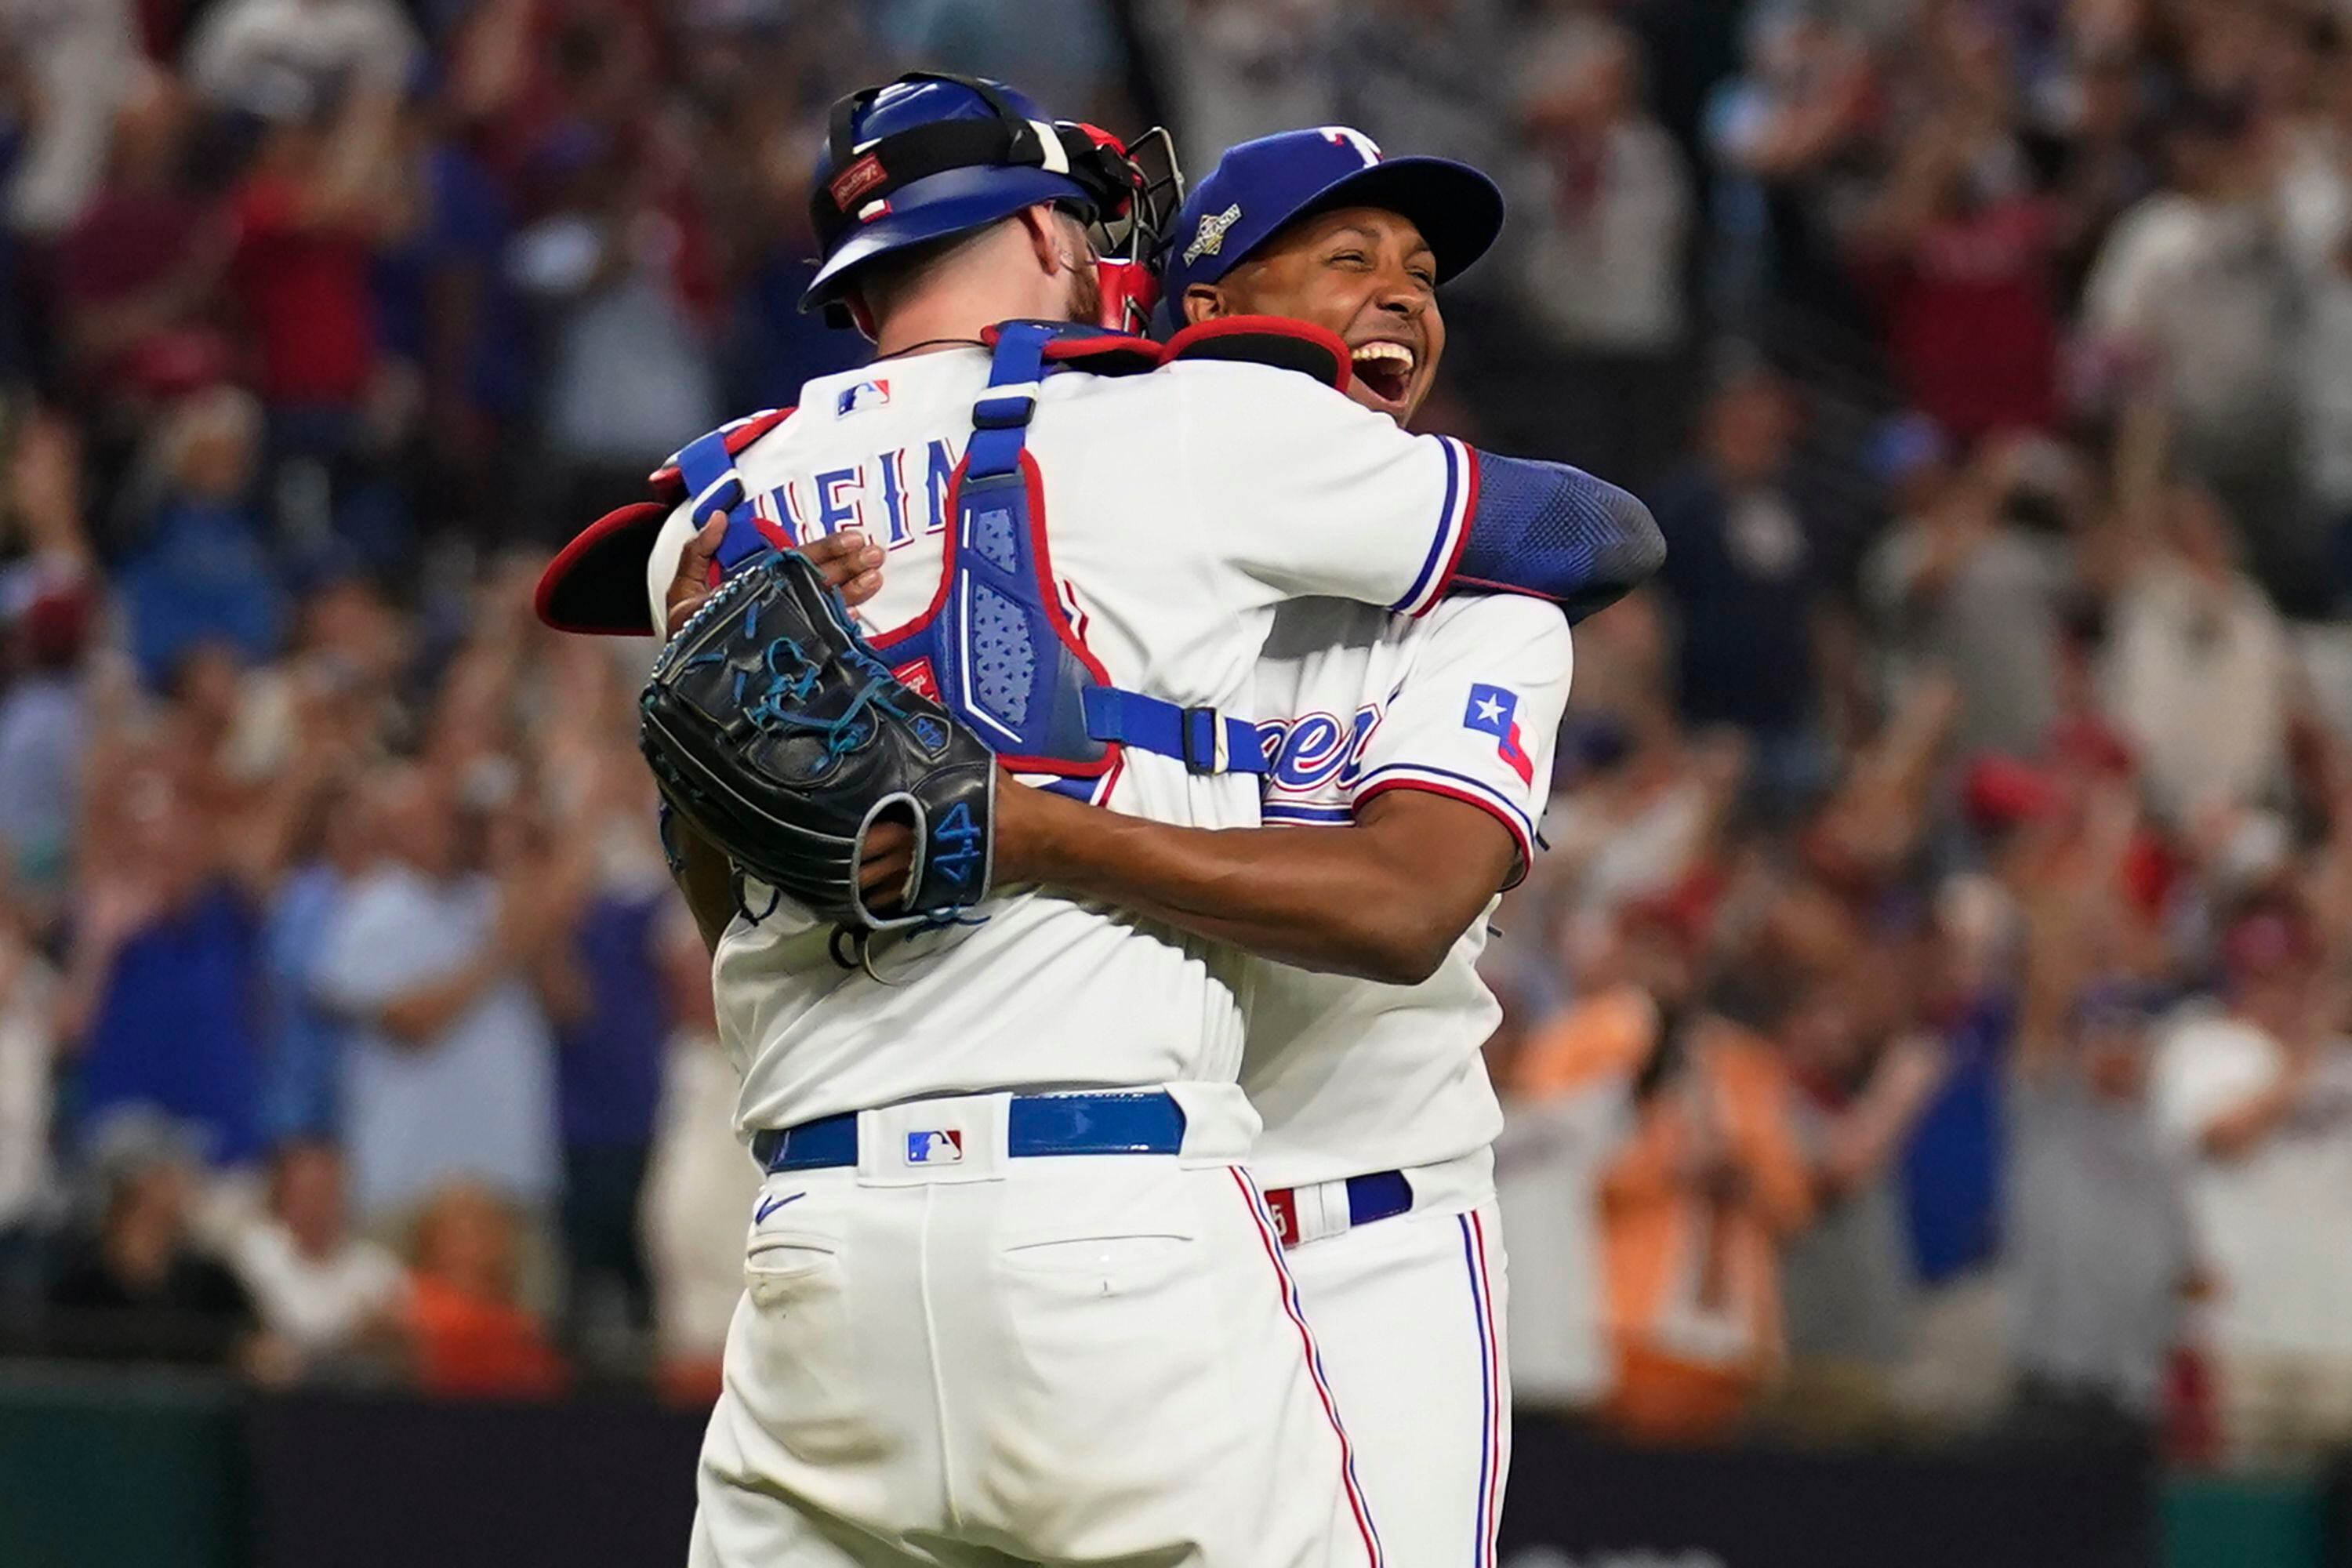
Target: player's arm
1383 899
1445 803
1309 495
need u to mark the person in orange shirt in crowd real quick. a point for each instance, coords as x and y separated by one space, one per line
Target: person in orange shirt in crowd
1694 1214
1704 1186
470 1337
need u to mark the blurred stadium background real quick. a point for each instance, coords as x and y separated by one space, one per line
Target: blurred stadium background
1930 1097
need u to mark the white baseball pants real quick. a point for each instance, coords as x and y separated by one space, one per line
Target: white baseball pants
980 1359
1409 1313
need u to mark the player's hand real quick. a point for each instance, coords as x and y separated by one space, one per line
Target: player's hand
849 560
888 865
851 563
692 584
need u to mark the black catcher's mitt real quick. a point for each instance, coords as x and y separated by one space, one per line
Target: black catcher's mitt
775 730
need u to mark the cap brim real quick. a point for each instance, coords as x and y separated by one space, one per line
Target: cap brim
1458 210
597 584
953 202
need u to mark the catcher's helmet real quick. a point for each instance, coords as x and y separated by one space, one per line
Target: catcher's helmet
931 155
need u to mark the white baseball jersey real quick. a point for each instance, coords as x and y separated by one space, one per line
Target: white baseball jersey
1351 1076
1181 508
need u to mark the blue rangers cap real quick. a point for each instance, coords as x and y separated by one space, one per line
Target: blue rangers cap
1259 188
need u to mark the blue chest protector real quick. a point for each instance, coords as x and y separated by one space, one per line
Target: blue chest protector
996 646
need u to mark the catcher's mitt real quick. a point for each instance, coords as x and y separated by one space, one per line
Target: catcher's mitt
777 733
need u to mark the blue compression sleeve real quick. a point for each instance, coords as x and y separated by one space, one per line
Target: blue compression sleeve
1557 532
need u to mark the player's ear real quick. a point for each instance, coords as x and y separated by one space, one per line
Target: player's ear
1049 244
861 315
1204 302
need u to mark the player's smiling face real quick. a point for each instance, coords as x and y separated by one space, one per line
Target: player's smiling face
1365 273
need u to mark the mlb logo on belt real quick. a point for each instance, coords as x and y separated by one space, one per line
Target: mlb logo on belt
1495 710
864 395
942 1147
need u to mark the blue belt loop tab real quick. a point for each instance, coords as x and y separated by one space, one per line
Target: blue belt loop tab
1142 1121
1383 1194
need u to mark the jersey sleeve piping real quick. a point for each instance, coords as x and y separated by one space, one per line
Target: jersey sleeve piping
1460 503
1462 787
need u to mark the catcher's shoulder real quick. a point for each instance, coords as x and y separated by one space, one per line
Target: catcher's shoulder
1272 344
1268 342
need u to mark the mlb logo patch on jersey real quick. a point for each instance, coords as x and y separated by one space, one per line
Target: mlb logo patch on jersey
938 1147
863 395
1495 710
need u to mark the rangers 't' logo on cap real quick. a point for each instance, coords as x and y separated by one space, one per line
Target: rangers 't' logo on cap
1212 236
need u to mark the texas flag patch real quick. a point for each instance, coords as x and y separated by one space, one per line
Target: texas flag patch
1495 710
863 395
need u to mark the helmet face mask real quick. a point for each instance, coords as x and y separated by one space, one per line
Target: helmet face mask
1126 241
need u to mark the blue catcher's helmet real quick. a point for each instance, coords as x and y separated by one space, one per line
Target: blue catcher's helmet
932 155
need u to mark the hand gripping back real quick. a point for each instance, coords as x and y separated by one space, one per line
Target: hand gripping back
774 728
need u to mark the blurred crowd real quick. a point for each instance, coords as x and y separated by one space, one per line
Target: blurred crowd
1931 1014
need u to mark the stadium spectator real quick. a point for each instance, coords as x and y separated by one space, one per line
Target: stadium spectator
1957 246
302 1081
246 52
2198 668
1846 1279
78 57
1239 68
449 1067
159 1000
1749 583
2195 295
1601 263
1964 590
138 1289
323 190
203 573
469 1336
610 1039
1567 1091
28 1064
2103 1251
330 1296
615 272
698 1184
139 273
1695 1210
2259 1095
44 732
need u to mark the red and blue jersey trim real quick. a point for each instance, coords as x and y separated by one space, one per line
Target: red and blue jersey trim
1461 503
1462 787
1298 811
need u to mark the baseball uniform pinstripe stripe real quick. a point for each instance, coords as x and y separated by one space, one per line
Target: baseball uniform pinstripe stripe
1490 1444
1272 1242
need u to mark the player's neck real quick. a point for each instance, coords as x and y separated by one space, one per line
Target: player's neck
952 316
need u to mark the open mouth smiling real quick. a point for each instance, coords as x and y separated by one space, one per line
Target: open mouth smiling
1386 369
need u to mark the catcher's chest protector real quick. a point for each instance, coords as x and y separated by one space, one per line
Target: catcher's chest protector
996 646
